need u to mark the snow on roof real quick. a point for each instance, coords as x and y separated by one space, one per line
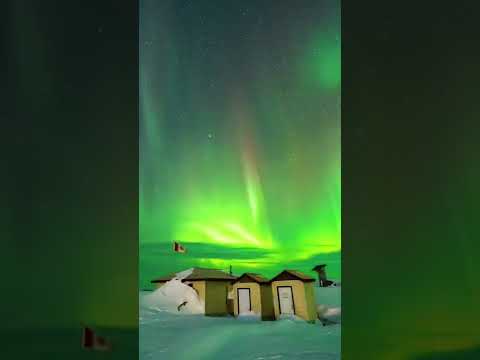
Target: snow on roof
297 274
164 278
184 274
197 273
255 277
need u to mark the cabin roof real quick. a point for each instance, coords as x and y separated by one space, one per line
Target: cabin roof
200 274
292 274
254 277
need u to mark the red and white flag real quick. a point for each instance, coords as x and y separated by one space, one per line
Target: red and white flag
91 341
178 248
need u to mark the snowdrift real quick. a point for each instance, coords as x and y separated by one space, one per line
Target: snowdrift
329 315
295 318
174 297
249 316
329 302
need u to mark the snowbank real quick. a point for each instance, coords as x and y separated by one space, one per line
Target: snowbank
175 297
329 315
329 304
290 318
249 316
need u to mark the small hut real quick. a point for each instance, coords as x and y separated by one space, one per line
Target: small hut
293 294
253 293
322 276
212 286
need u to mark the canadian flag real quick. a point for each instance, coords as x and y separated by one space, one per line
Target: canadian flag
178 248
91 341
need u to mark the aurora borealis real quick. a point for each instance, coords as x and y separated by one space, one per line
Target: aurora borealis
239 136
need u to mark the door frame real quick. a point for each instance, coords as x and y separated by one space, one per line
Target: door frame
249 299
278 298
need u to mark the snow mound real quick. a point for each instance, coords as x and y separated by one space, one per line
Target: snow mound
174 297
329 304
249 316
290 318
329 315
333 313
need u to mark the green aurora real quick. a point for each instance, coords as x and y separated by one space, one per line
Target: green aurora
239 137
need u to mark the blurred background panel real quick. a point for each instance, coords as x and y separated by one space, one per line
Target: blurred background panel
70 180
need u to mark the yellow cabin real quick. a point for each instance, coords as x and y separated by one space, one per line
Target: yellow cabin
293 294
253 293
211 285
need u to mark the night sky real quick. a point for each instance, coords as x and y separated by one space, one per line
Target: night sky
240 135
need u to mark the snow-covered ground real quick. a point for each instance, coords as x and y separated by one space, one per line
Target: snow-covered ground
166 333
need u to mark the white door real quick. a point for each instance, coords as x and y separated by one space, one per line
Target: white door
243 301
285 298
